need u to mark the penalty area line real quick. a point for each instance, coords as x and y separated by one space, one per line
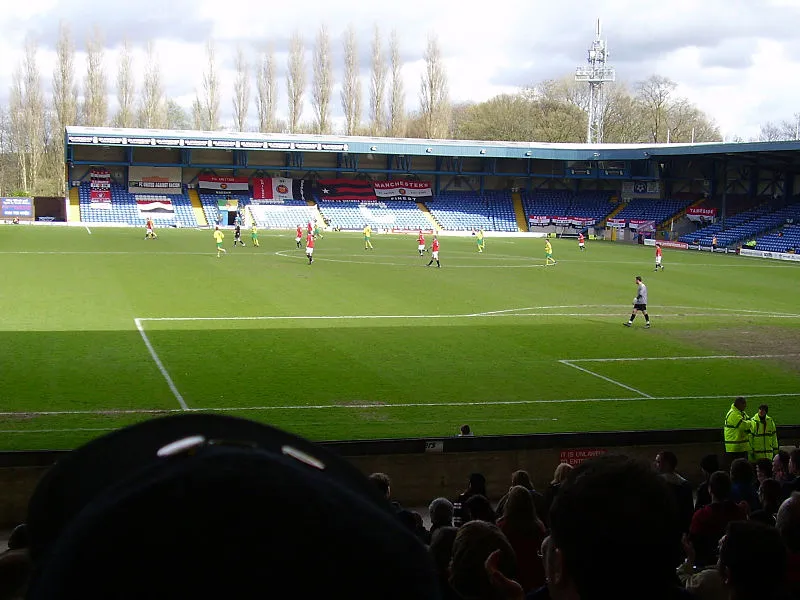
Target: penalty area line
614 381
160 365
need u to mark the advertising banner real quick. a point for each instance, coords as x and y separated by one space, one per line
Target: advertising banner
161 180
223 185
402 189
16 208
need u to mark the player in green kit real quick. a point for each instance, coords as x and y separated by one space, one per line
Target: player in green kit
548 254
480 239
254 234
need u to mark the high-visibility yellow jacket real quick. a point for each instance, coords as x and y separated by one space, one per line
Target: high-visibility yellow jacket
737 431
763 438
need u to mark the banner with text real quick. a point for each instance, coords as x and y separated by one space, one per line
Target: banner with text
155 207
279 188
616 223
539 220
642 224
162 180
345 189
576 457
773 255
16 208
100 189
701 215
211 184
402 189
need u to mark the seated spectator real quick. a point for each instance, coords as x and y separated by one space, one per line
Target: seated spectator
769 495
525 533
473 545
613 534
709 523
793 480
562 471
382 482
476 485
666 462
441 551
703 583
780 466
441 513
752 562
763 470
709 465
743 487
465 431
524 479
480 509
209 506
788 524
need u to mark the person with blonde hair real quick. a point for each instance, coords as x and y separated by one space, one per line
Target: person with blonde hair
559 476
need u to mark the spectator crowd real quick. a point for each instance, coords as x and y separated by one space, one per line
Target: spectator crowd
206 506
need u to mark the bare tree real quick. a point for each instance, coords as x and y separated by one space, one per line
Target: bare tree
351 87
206 107
654 95
65 97
153 110
126 88
323 82
434 96
95 94
176 116
296 80
267 92
241 91
377 90
18 144
397 111
65 91
34 113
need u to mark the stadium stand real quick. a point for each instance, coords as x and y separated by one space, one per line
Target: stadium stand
124 209
788 238
467 211
565 203
746 225
652 210
287 214
392 214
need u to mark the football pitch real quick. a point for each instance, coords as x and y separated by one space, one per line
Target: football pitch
102 328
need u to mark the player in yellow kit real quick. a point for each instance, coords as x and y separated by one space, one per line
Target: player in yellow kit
548 254
254 234
219 236
367 235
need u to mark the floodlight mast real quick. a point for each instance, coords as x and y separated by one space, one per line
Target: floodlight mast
596 74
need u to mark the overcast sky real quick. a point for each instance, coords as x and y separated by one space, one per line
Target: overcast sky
733 58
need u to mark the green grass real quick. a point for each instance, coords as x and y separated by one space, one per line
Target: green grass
414 351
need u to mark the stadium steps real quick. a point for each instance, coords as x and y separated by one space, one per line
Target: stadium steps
519 211
197 208
614 213
74 209
668 223
318 216
427 212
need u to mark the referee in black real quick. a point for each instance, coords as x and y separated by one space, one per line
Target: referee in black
640 304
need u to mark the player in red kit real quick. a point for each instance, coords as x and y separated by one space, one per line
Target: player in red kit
581 241
421 243
310 247
658 258
299 237
434 253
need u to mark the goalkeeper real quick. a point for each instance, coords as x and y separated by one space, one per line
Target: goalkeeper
640 304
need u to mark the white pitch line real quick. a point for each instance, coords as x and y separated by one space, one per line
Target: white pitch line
614 381
89 231
160 365
717 356
158 411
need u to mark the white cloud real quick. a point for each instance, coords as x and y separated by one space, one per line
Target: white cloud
734 58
